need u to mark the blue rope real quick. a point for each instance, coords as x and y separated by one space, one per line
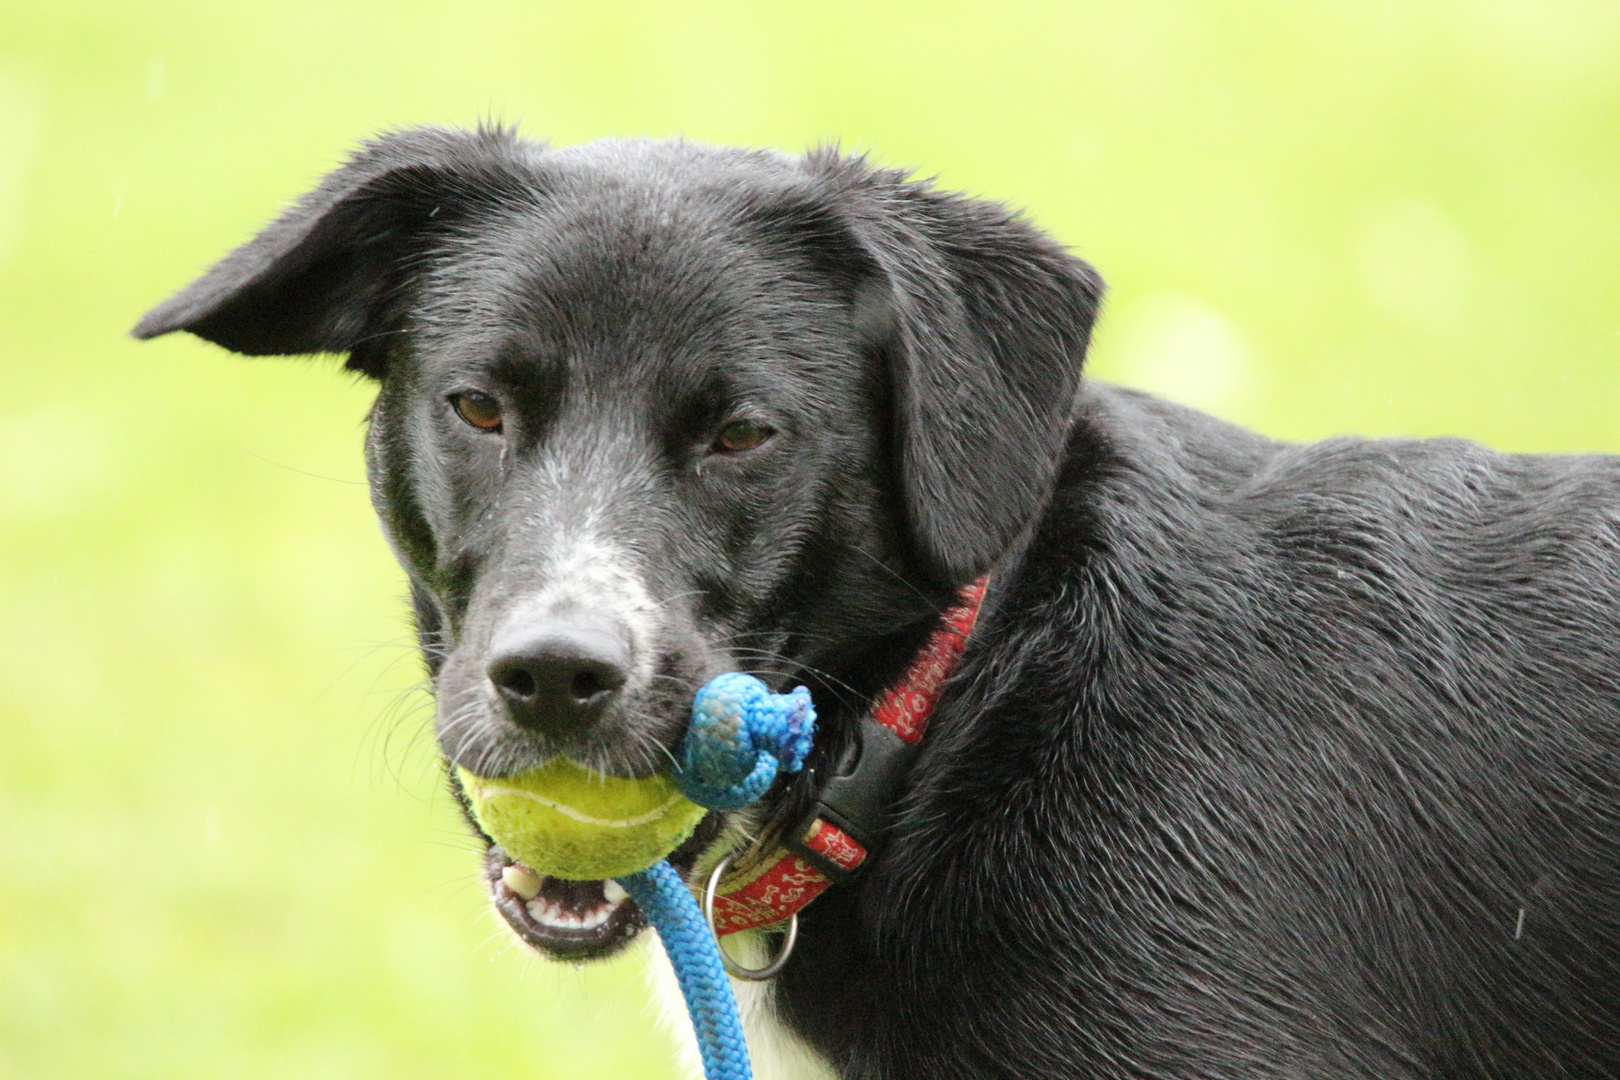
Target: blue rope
668 904
741 735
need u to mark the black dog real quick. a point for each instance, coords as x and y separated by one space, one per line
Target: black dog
1265 760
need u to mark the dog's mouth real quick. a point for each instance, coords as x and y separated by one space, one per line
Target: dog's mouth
571 920
577 920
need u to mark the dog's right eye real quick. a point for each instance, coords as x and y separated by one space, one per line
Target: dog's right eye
480 410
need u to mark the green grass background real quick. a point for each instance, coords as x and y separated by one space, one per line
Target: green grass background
222 848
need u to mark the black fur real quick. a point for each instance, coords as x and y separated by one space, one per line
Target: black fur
1266 760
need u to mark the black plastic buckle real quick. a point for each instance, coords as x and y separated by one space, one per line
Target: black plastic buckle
860 796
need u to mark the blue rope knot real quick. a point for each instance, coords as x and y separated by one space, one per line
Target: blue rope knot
741 734
740 737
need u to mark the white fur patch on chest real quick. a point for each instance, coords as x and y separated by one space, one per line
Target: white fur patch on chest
775 1051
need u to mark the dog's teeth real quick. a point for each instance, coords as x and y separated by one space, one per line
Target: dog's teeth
613 891
521 880
547 913
544 911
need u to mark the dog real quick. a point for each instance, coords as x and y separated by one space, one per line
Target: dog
1263 759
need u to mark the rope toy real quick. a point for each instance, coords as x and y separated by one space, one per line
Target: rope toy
562 819
741 736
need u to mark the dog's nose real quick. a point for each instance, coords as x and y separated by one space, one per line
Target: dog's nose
558 677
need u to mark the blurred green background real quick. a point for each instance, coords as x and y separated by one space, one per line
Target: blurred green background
223 851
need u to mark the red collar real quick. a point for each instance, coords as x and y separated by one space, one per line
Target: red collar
834 840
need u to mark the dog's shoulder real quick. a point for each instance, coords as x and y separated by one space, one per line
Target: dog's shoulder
1151 466
1233 561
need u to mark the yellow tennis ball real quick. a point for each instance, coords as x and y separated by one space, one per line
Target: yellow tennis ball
568 821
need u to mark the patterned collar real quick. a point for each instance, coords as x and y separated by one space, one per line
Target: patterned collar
854 809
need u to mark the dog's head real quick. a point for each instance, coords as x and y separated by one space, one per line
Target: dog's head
650 411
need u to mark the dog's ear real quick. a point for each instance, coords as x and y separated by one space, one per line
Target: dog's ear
984 321
319 278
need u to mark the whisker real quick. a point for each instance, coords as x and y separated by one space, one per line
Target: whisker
892 572
797 665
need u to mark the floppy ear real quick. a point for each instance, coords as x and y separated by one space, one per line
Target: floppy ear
318 278
984 321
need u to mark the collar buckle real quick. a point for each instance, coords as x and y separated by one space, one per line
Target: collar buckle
859 798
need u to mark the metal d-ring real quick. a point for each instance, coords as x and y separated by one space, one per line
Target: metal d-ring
760 974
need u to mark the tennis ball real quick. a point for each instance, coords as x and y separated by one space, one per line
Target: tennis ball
568 821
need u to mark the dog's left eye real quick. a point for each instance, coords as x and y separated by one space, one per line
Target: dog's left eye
480 410
741 435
